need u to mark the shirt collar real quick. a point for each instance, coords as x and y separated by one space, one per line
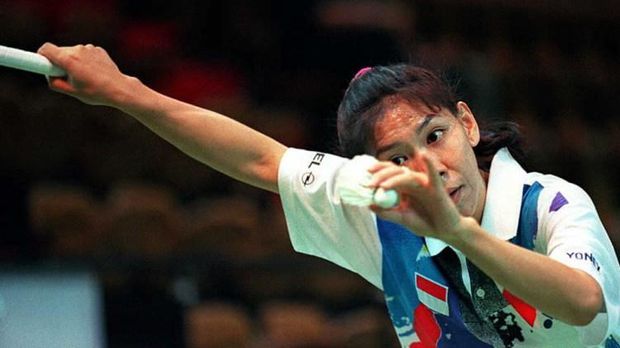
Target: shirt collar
503 200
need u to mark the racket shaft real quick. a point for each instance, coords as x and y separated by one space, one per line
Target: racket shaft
28 61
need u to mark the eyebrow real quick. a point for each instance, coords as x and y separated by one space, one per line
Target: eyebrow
427 119
423 124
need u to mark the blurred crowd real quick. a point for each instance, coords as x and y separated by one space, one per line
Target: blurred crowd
188 257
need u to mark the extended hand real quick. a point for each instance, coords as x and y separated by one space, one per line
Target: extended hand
92 77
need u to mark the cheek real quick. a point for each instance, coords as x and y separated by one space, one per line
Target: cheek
473 178
470 173
476 184
460 156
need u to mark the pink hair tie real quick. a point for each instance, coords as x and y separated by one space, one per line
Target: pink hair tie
362 72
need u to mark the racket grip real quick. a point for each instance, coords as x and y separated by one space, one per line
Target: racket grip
28 61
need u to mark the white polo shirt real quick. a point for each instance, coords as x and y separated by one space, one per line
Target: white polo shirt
540 212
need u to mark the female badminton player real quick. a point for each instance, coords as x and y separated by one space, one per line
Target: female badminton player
477 252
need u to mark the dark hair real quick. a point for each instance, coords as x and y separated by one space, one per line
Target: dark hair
493 137
364 102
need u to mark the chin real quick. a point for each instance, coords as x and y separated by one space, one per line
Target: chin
466 211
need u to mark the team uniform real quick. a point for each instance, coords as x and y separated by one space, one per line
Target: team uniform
435 296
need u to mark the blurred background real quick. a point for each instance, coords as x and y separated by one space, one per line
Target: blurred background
168 253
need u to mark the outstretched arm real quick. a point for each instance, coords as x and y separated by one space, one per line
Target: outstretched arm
213 139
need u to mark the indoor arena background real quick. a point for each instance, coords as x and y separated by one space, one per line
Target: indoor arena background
113 238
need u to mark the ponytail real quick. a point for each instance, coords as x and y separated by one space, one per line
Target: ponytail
496 136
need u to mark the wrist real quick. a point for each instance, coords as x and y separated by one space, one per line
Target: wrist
463 233
127 96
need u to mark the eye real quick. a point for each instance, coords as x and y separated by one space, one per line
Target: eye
399 160
434 136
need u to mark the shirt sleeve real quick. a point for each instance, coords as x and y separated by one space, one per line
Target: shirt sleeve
572 233
318 224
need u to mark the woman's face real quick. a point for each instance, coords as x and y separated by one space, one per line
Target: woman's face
404 129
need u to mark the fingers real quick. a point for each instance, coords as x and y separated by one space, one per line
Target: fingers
64 56
421 172
47 48
51 52
433 173
383 171
390 176
92 76
407 181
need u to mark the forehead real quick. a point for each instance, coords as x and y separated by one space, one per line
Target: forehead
399 113
400 117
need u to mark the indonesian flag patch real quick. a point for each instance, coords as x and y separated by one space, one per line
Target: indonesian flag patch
433 294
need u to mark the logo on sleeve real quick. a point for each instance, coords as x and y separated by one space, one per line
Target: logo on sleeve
308 177
558 202
585 257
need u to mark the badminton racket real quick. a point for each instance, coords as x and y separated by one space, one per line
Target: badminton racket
28 61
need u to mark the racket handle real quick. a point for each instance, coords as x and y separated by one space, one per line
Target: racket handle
28 61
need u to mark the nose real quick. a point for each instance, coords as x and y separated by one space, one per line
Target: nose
442 170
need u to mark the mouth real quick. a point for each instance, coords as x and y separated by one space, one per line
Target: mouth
455 194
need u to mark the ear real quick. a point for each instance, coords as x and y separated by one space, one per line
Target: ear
467 119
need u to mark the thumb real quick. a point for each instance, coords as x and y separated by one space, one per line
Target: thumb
60 84
392 214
